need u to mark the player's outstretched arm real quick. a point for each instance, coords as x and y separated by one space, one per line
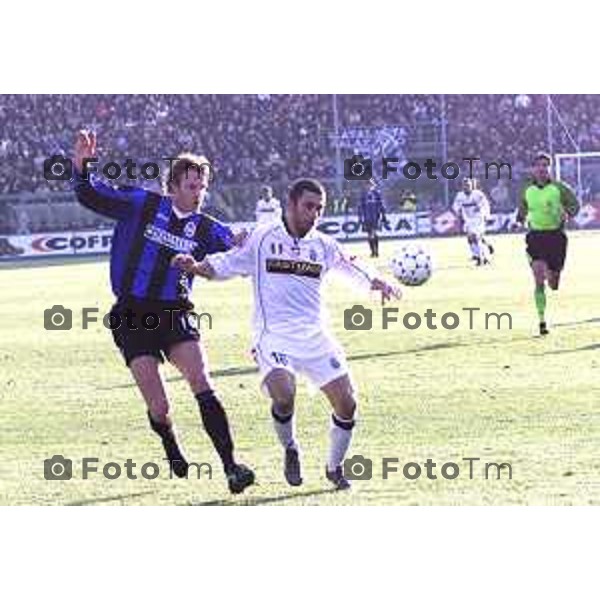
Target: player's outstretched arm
95 195
360 275
240 260
187 263
388 291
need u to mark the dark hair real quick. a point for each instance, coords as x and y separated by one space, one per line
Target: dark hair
182 165
300 186
542 156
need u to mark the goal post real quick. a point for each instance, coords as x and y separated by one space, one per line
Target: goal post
581 170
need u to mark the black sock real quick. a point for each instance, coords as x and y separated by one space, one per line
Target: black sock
217 426
376 246
372 246
169 441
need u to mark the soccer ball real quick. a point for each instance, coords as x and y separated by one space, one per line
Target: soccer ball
411 264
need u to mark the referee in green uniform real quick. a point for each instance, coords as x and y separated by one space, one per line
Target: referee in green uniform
546 205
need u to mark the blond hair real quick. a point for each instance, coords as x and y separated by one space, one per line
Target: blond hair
180 167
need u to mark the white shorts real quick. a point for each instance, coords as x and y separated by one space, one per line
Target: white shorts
325 364
475 227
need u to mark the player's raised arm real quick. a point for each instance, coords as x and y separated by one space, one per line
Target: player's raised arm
95 195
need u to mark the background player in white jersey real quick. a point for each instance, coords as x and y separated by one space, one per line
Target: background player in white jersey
287 261
268 207
473 207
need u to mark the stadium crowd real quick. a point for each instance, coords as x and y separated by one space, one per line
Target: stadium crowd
255 139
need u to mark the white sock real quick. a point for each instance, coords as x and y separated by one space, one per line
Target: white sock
340 436
285 427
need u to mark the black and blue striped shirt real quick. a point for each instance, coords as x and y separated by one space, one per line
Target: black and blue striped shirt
148 234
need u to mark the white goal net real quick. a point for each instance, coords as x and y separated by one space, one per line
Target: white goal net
581 170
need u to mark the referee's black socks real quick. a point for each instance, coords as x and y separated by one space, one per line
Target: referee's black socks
216 424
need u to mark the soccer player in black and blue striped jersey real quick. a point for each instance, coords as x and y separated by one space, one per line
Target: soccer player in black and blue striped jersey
371 215
150 230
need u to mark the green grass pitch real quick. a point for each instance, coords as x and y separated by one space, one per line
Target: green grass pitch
501 396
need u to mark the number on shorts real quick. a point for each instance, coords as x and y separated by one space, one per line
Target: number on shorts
279 358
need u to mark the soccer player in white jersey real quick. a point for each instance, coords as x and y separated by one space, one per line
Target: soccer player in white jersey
287 261
472 206
268 208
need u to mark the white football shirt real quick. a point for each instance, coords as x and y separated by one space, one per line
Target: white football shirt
287 275
267 210
473 206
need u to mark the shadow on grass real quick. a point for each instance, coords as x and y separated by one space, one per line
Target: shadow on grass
429 348
249 370
267 500
230 372
571 350
90 501
575 323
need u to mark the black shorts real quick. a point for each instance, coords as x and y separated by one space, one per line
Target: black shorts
150 328
369 228
549 246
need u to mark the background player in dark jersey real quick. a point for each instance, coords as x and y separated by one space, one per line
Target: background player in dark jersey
546 205
371 213
151 229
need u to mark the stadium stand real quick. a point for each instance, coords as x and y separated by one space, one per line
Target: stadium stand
254 139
